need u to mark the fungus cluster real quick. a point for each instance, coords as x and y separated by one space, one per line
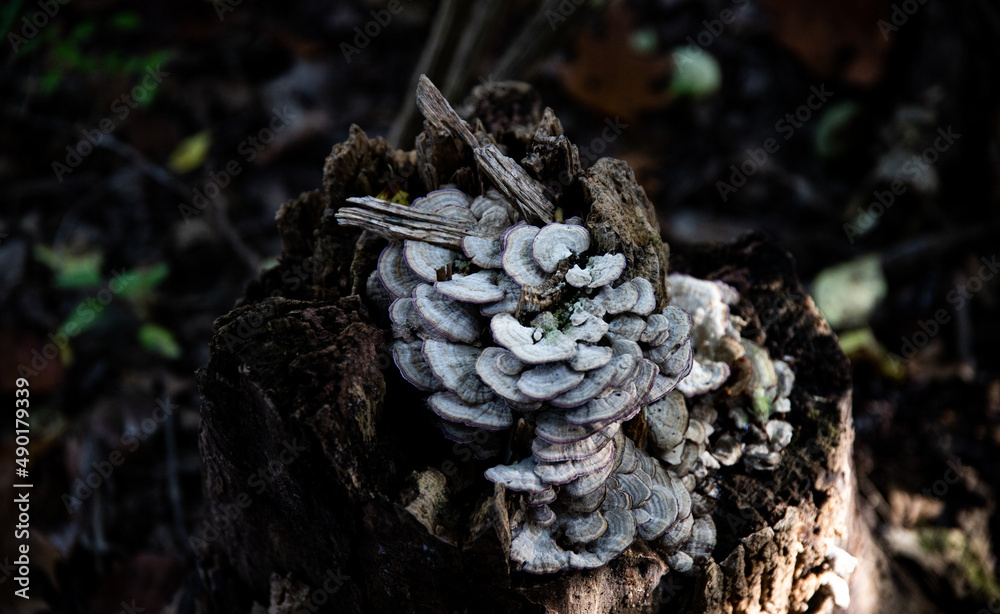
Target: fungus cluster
512 326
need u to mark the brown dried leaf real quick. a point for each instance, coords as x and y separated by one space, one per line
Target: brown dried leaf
609 77
836 39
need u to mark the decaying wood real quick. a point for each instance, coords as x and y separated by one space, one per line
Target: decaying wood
374 497
512 181
401 222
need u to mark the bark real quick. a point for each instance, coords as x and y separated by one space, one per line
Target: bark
328 488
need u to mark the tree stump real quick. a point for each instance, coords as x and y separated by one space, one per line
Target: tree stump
328 489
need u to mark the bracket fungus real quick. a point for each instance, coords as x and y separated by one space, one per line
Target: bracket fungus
505 322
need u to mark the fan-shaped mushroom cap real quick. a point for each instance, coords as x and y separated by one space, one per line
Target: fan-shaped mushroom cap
632 485
490 200
662 510
437 200
593 384
548 380
681 562
704 377
602 408
577 277
556 242
394 274
406 322
563 472
591 330
542 515
413 367
542 498
517 258
614 497
477 287
520 476
696 431
628 460
492 415
677 534
647 296
553 428
459 433
456 321
584 528
491 366
727 450
588 446
604 269
779 433
589 357
620 299
618 537
586 502
424 259
702 541
657 330
534 551
586 484
627 326
510 300
455 366
483 252
552 347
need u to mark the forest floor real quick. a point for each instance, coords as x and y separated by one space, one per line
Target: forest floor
145 149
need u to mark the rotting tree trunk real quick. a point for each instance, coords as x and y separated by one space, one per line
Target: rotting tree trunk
328 488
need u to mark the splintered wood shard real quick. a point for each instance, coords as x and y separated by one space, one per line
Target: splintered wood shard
399 222
512 181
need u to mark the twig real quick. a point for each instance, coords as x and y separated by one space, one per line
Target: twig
538 38
397 222
429 59
480 24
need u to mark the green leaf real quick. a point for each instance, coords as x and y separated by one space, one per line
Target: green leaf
141 282
125 21
847 293
159 340
190 153
832 137
82 31
72 270
87 314
696 73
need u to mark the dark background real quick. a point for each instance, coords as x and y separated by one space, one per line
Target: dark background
119 250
